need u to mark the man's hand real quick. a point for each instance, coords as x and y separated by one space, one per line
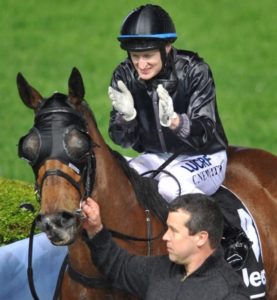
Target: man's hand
123 101
166 110
92 219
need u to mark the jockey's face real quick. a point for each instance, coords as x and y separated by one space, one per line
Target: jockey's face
148 63
182 247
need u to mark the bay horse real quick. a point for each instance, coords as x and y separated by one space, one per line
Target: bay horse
71 160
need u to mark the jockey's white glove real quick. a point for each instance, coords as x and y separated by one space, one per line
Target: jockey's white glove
166 110
123 101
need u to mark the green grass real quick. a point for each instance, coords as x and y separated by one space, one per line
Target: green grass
45 39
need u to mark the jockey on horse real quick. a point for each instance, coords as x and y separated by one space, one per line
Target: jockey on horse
164 106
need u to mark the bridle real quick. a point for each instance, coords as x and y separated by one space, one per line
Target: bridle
87 178
38 187
92 282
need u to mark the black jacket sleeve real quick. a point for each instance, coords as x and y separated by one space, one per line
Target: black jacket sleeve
127 272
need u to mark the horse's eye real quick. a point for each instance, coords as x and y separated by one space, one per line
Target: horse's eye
77 144
29 146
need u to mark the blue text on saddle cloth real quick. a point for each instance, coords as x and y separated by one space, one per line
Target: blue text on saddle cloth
196 164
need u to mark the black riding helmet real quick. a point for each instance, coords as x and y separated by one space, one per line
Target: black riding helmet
147 27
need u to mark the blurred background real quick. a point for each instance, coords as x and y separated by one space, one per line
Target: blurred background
45 39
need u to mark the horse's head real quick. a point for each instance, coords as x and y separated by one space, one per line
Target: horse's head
60 152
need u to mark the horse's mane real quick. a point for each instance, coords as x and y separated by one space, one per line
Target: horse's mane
145 189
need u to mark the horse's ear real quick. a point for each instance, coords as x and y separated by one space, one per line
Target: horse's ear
76 89
30 96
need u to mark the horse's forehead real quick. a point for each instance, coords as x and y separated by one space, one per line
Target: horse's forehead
58 108
55 101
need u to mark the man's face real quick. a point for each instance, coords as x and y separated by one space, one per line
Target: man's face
181 246
147 63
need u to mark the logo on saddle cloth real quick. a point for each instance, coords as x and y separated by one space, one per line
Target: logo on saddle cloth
249 228
200 163
256 278
253 274
238 216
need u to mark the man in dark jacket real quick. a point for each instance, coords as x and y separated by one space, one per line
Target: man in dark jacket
194 267
164 104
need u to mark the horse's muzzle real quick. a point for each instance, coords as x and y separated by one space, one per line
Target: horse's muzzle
61 228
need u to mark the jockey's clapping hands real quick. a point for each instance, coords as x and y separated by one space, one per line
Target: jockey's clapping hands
123 102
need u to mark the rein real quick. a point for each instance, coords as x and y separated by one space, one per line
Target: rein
30 273
102 283
30 256
162 167
92 282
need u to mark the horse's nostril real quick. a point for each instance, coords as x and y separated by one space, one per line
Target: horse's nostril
67 219
44 222
66 215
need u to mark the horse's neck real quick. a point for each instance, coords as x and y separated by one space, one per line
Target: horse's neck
111 188
109 175
80 258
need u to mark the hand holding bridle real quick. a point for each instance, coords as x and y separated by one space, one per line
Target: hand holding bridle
92 219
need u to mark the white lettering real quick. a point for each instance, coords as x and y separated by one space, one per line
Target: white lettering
263 277
255 279
245 277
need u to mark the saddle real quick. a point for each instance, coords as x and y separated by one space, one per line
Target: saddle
235 242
